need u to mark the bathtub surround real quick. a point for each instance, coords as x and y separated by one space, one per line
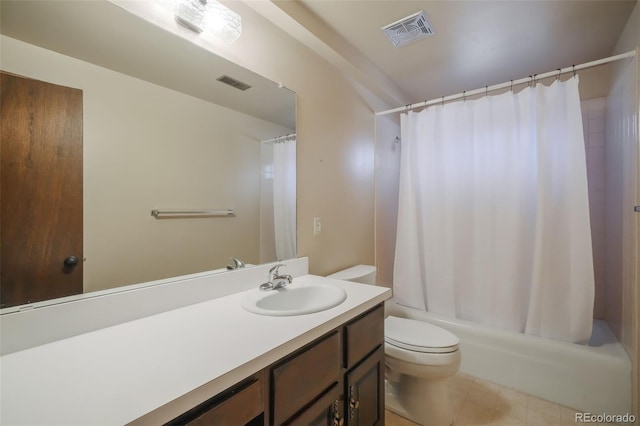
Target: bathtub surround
493 223
621 222
623 297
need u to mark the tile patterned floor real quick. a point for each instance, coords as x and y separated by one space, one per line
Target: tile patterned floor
479 402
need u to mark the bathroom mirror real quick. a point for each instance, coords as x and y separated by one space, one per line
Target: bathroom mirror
165 126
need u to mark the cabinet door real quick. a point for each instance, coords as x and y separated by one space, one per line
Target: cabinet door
328 410
364 391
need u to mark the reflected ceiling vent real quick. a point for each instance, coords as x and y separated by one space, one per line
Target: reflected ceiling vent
409 29
233 82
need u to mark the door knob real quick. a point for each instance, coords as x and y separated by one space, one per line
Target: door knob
70 261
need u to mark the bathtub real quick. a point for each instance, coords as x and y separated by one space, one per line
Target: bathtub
594 378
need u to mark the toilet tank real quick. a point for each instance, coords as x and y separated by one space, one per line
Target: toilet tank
365 274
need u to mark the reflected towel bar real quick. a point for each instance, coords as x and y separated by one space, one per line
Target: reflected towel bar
161 214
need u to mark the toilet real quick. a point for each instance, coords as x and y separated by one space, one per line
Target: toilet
420 359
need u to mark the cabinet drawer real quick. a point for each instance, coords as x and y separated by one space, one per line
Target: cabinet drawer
238 406
304 376
323 411
363 335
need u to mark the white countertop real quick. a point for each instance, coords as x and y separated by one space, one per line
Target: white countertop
152 369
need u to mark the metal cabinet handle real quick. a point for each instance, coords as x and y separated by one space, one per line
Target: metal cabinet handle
354 404
337 419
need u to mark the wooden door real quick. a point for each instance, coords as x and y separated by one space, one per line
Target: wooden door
40 190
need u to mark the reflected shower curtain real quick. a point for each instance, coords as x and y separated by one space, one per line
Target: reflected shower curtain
284 198
493 221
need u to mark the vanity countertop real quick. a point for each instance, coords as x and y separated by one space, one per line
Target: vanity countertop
150 370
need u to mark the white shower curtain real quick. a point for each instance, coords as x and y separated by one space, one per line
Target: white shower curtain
493 221
284 198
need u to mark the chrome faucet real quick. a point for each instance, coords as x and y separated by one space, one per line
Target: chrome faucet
276 280
237 264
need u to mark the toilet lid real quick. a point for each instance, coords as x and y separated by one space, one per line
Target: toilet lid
418 336
353 273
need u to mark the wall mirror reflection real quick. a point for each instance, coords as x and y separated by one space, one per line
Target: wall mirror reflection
106 117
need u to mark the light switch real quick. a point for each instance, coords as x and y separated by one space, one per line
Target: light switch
317 226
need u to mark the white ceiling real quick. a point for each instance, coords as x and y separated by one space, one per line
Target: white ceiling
476 43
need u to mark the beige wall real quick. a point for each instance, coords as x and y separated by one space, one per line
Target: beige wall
335 143
149 147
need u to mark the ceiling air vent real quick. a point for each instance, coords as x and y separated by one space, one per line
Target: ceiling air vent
409 29
233 82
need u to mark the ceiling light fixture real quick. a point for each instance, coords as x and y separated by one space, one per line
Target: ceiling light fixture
209 16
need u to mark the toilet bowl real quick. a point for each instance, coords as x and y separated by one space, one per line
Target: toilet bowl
420 359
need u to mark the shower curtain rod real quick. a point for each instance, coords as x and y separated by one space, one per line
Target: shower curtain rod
511 83
280 138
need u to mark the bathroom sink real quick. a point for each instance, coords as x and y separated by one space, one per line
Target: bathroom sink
294 300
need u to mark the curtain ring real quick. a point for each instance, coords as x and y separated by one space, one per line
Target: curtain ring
406 108
511 85
443 101
464 96
559 72
534 80
574 70
486 91
531 81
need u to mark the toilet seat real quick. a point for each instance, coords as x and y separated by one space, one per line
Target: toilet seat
418 336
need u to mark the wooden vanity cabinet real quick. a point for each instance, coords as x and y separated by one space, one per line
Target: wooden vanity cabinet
336 380
364 369
351 395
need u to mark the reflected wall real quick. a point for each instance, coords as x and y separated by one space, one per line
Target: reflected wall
148 147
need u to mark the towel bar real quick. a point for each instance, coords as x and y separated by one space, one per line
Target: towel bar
160 214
